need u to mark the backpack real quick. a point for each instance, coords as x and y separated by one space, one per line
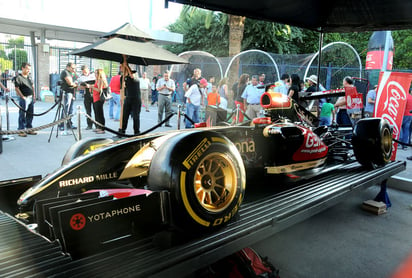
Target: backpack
246 263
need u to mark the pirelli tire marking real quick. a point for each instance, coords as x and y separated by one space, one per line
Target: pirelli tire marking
214 183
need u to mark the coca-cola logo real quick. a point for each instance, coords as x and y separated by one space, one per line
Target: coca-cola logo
369 58
393 93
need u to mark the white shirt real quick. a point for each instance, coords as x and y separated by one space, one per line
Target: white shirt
144 83
195 95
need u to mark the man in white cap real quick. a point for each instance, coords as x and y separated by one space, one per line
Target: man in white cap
313 81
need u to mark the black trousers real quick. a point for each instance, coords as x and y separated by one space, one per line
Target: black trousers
99 113
88 104
131 107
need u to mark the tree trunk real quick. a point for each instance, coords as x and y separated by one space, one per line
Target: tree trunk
236 28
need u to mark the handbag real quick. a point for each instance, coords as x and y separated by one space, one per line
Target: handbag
105 94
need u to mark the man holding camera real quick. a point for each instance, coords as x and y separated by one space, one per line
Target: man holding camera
68 88
85 79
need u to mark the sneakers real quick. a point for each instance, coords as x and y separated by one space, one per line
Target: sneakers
100 131
168 126
88 128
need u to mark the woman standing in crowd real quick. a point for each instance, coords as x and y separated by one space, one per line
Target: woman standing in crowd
223 92
154 92
294 88
98 89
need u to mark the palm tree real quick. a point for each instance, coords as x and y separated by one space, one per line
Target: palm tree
236 28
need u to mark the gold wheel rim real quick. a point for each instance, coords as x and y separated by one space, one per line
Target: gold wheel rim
215 182
387 142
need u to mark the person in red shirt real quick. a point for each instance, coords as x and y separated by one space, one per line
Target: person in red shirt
115 100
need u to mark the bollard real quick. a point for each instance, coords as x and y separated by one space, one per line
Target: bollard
179 107
237 113
7 137
79 133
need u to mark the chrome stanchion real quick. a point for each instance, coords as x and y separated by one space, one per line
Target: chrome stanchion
179 115
7 137
237 113
79 128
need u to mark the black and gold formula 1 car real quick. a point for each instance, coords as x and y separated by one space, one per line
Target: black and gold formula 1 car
204 170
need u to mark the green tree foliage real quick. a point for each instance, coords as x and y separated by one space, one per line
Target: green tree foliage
16 43
197 37
2 52
402 41
18 56
271 37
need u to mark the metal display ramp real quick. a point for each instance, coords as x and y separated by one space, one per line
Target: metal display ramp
26 254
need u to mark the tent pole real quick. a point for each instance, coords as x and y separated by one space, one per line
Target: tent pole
319 58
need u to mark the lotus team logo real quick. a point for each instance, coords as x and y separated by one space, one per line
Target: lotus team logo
77 221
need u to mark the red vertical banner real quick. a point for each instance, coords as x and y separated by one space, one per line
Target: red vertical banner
393 88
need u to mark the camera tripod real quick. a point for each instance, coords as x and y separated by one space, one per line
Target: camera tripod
61 113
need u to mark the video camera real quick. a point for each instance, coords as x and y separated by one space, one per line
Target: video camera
89 82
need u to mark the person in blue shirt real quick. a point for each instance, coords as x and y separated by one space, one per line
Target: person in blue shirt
251 98
370 102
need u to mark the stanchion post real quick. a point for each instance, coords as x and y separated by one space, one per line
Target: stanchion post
237 113
7 137
7 111
178 116
79 128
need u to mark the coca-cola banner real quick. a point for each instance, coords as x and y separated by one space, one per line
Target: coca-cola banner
393 88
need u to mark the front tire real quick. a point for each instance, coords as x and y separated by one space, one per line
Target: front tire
372 142
205 175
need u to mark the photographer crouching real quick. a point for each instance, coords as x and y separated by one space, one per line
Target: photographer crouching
68 87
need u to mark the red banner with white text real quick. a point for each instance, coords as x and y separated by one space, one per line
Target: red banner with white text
393 88
354 102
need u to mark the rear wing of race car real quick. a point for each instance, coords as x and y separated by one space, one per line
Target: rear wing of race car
354 100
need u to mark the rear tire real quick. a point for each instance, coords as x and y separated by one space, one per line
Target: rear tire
372 142
205 175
